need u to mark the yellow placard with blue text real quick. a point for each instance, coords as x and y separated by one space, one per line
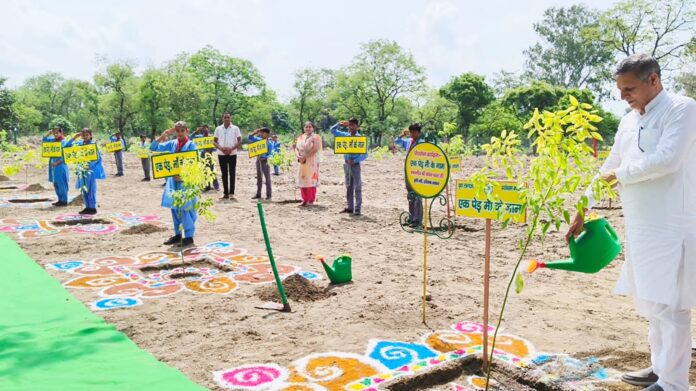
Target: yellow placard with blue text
80 154
258 148
499 199
427 170
205 142
455 163
114 146
51 149
350 145
169 164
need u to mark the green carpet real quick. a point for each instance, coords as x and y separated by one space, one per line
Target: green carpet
50 341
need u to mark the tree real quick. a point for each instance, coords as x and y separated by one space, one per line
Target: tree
505 81
567 55
186 93
153 99
537 95
7 100
495 118
661 28
312 87
118 85
471 94
433 111
371 86
230 81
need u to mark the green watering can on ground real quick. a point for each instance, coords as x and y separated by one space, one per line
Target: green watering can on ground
340 271
590 252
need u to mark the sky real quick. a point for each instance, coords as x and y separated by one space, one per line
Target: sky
447 37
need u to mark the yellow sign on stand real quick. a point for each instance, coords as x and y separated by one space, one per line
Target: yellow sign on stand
350 145
258 148
500 199
169 164
455 163
114 146
205 142
51 149
427 170
80 154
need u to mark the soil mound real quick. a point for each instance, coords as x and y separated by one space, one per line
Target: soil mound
35 187
77 201
4 178
297 288
143 229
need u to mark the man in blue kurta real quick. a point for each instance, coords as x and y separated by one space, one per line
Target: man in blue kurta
87 183
57 169
351 168
185 215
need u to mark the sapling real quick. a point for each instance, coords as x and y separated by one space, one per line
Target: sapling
564 163
283 159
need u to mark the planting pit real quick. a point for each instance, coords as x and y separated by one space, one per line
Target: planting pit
70 223
27 200
8 187
184 275
143 229
297 288
200 262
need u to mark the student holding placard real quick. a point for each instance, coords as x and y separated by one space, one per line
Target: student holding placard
415 203
185 215
351 168
145 158
118 155
57 169
262 168
87 184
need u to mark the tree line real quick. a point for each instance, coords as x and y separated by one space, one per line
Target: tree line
384 85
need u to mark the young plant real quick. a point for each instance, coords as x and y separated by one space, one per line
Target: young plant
563 164
283 159
195 176
380 153
12 152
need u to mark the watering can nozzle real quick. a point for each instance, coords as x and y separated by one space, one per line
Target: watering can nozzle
534 265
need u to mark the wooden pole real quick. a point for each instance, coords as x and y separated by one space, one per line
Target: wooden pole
425 252
486 275
447 195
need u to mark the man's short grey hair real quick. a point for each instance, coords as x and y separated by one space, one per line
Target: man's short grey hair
180 124
641 65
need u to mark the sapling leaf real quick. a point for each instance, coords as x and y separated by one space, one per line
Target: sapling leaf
519 283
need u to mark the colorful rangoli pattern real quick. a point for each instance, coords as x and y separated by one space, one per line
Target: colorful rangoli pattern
215 268
33 229
384 361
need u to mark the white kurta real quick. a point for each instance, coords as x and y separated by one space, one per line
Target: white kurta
654 158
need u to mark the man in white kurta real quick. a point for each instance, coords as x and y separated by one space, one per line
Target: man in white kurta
653 159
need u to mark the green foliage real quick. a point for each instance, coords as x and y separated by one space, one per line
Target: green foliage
457 147
471 94
567 55
433 111
448 129
313 88
63 123
195 176
7 100
495 118
283 159
537 95
380 153
118 85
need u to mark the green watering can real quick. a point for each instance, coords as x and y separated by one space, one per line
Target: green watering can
339 272
590 252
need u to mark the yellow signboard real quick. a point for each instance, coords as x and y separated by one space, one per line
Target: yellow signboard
500 199
350 145
169 164
427 170
143 155
51 149
113 147
80 154
603 154
205 142
455 163
258 148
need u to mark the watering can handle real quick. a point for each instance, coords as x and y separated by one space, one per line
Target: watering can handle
572 243
611 231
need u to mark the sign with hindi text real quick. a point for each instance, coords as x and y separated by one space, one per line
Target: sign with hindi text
80 154
499 199
455 163
258 148
114 146
350 145
205 142
427 170
51 149
169 164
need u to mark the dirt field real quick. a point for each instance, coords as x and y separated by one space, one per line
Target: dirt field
199 334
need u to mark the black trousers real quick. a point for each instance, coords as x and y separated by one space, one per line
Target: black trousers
228 166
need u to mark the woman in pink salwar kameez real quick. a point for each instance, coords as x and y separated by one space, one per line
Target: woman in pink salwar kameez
308 151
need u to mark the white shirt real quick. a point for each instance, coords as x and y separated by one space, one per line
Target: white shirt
654 158
227 137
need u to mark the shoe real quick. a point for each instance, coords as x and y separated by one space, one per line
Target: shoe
145 180
187 242
642 378
356 212
346 210
415 226
55 203
256 197
268 198
303 204
90 211
118 175
225 197
654 387
173 240
59 203
82 212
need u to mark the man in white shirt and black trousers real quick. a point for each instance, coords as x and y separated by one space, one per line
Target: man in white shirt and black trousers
228 139
653 159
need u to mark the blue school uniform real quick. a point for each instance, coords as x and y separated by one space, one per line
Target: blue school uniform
58 175
185 215
88 184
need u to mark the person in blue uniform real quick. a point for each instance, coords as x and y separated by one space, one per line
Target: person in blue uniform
185 215
87 184
57 169
263 171
119 154
415 203
351 168
276 149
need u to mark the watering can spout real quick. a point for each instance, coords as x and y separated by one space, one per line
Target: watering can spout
590 252
340 271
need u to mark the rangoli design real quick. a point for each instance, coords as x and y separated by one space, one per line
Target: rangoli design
384 361
33 229
215 268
